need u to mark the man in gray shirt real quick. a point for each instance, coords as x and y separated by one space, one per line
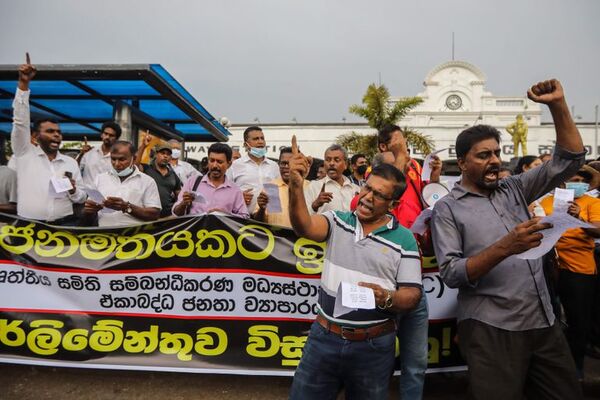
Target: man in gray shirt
8 190
507 331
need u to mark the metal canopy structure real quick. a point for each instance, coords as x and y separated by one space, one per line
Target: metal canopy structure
82 97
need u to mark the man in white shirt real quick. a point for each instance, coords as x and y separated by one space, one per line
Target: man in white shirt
47 181
335 191
253 169
96 160
183 169
130 196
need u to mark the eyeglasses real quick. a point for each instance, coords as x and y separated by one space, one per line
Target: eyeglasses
377 195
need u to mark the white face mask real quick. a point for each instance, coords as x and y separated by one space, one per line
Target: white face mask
125 171
176 153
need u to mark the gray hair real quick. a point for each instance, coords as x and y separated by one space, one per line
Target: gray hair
377 160
337 147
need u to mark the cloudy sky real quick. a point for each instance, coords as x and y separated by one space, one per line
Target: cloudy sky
311 59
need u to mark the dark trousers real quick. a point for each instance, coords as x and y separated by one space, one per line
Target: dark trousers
509 365
595 324
576 292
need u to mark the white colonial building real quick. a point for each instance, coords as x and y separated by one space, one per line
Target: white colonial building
454 97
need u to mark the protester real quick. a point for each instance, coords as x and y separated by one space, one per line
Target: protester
413 326
204 166
130 197
317 170
545 157
43 192
525 163
96 160
213 191
359 165
160 170
355 350
390 138
183 169
236 154
577 267
507 331
8 190
254 168
335 191
282 217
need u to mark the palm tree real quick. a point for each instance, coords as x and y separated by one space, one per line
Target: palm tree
379 111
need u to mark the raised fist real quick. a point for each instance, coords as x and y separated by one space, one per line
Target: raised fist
546 92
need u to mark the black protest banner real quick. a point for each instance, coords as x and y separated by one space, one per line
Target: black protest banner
198 294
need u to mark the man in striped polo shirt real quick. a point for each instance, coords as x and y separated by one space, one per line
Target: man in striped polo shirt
368 247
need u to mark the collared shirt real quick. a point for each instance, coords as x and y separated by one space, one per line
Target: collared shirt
513 295
342 195
139 189
388 256
8 185
35 170
281 218
227 197
247 174
409 207
184 170
167 184
93 163
357 182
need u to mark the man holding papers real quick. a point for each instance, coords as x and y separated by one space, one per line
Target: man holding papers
352 345
124 195
507 331
47 181
213 191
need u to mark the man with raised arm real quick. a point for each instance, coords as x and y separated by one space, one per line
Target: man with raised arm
369 248
507 331
47 181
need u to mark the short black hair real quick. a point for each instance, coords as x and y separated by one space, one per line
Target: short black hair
314 169
384 135
221 148
355 158
123 143
38 123
284 150
389 172
523 161
114 126
251 129
506 169
475 134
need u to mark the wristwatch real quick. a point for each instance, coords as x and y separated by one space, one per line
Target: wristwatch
128 209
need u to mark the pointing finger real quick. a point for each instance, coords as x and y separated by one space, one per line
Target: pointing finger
294 145
323 188
27 59
85 140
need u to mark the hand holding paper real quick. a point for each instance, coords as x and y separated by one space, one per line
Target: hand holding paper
352 297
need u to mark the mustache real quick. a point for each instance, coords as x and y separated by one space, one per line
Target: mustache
492 169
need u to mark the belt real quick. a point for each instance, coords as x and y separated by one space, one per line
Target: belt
60 221
357 334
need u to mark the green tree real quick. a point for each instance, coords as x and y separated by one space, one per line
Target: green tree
378 110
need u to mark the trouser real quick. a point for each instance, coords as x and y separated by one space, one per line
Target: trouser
510 364
576 293
413 332
330 362
594 337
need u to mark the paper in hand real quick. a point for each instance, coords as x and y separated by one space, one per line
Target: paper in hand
562 197
560 223
352 297
274 204
94 195
426 173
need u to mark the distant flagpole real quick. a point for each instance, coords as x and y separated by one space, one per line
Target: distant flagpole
452 46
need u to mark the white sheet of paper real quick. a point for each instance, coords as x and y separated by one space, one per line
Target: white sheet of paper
426 173
419 226
272 190
94 195
61 185
199 198
352 297
562 197
560 223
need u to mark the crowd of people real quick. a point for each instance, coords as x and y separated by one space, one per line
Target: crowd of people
509 309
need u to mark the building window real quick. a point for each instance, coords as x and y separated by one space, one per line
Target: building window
509 103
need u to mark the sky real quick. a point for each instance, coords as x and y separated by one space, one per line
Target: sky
276 60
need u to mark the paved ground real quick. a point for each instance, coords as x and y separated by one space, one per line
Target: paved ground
19 382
